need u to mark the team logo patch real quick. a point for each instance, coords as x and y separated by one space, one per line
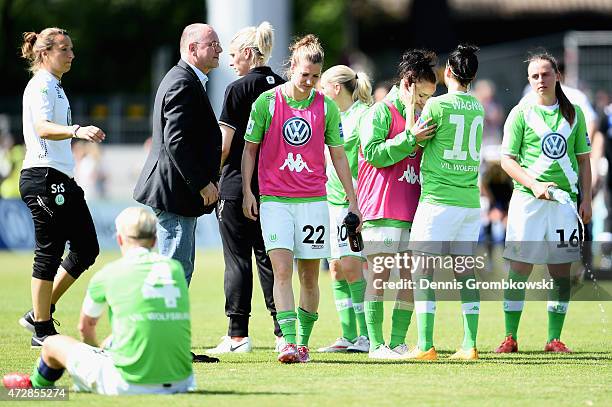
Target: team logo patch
297 131
412 155
554 146
59 199
270 80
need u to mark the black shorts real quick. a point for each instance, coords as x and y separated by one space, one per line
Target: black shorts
60 214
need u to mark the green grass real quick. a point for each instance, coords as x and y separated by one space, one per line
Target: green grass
528 378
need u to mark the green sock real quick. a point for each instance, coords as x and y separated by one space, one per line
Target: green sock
374 315
558 301
425 306
357 294
286 320
470 305
38 380
344 306
306 322
400 321
514 301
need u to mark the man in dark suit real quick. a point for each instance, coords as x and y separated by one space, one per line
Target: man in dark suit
179 179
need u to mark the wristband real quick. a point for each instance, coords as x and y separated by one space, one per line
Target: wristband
75 128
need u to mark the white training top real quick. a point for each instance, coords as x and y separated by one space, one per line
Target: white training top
44 99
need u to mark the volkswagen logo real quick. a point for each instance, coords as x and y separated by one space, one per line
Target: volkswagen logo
297 131
554 146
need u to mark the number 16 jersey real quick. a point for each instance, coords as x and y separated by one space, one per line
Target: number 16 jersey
451 159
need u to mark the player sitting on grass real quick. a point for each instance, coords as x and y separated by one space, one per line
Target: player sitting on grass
149 311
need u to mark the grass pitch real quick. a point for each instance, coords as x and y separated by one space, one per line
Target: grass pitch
529 378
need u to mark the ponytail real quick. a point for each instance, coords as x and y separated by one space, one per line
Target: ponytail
357 84
259 39
34 44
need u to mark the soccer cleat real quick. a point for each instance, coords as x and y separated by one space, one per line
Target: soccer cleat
340 345
288 354
16 381
401 349
361 345
27 321
37 340
383 353
418 354
279 343
303 354
228 345
556 346
509 345
461 354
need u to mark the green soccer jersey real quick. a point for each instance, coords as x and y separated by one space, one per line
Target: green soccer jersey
149 313
260 119
350 129
451 159
546 145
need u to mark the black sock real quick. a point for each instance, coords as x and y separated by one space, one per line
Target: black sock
44 328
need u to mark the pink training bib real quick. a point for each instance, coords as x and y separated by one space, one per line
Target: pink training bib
391 192
292 153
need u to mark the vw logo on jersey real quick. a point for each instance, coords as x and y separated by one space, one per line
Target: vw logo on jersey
554 146
297 131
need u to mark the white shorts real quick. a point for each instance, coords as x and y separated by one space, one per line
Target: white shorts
338 235
302 228
93 370
385 239
541 231
443 229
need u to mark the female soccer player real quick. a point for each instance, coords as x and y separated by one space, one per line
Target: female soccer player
250 50
47 186
352 92
449 207
545 144
388 191
293 122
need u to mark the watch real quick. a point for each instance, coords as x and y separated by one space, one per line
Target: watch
75 128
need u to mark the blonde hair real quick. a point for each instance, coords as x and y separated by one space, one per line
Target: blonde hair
307 48
34 44
260 39
136 223
356 83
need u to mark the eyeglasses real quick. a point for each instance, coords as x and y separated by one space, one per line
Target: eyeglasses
213 44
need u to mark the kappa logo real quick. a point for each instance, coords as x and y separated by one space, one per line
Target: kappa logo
297 131
296 164
410 175
554 146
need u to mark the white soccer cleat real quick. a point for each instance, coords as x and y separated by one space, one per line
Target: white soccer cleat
228 345
401 349
384 353
361 345
340 345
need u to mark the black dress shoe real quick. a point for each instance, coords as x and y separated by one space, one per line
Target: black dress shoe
203 359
